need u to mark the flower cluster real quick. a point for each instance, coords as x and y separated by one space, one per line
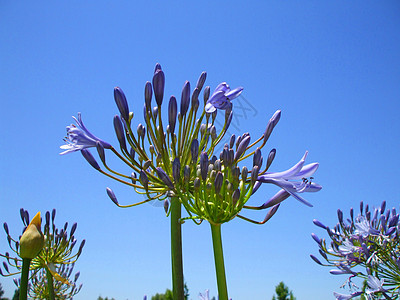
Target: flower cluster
365 246
178 160
55 260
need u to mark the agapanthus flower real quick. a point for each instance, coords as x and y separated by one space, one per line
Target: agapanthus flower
204 296
221 98
375 285
364 228
346 297
286 181
79 138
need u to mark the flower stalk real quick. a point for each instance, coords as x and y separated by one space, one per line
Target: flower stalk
219 261
176 250
23 288
50 285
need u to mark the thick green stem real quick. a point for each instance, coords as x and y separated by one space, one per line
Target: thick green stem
176 250
23 287
50 285
219 262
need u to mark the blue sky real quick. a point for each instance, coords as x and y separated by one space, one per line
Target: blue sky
332 67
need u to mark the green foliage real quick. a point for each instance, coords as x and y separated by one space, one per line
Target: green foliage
283 293
106 298
16 295
168 295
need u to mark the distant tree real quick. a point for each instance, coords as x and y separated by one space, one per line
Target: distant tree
168 295
106 298
283 293
16 295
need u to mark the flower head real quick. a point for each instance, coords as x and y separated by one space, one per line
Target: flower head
221 98
32 240
79 137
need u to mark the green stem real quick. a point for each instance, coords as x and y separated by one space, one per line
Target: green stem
23 288
50 285
176 250
219 262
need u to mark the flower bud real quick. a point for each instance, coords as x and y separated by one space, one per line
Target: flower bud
90 159
172 111
185 98
194 150
235 197
155 112
196 183
232 141
195 99
270 158
254 174
245 172
257 158
119 131
242 147
201 80
218 182
111 194
158 86
217 165
148 93
271 124
133 177
186 174
100 151
144 179
213 132
206 94
204 165
176 169
32 240
122 104
164 177
166 205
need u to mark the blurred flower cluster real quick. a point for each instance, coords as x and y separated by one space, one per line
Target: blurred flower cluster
366 246
55 261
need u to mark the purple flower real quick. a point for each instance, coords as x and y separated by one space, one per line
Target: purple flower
364 228
221 98
286 180
78 138
204 296
375 285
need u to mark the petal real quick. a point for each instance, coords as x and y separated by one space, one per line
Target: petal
234 93
224 87
290 173
306 171
209 108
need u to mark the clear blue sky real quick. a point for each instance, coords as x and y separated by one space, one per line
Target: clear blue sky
332 67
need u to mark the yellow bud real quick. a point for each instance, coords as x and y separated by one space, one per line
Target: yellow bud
32 240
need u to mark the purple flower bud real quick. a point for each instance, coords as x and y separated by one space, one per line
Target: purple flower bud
315 259
119 131
236 173
76 276
270 158
383 206
218 182
166 205
148 93
133 177
213 133
157 68
361 207
235 197
271 124
155 112
245 172
257 158
232 141
242 147
111 194
158 86
73 229
316 238
201 81
186 174
195 99
164 177
194 150
90 159
140 130
231 155
81 247
196 183
351 214
100 151
340 216
319 224
146 164
271 213
204 165
172 111
122 104
132 153
176 169
185 98
393 221
53 215
143 179
6 228
254 174
206 94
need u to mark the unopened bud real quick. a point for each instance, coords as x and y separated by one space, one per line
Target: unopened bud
32 240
